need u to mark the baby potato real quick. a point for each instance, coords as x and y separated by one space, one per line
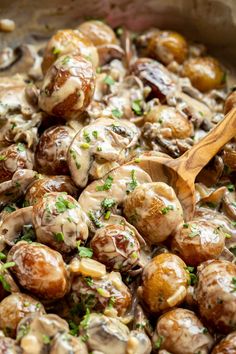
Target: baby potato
168 46
198 241
227 345
49 184
164 282
59 222
40 270
230 102
215 294
172 123
116 246
68 42
15 307
205 73
98 32
181 332
154 210
13 158
51 150
67 87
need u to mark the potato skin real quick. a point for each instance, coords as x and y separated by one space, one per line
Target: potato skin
40 270
227 345
116 246
51 150
98 32
162 279
215 294
182 332
154 210
13 158
50 184
67 87
205 73
198 241
69 42
15 307
167 46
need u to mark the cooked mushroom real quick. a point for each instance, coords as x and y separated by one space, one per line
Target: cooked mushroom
99 147
9 345
98 32
108 52
39 269
68 87
7 283
227 345
181 332
59 222
67 344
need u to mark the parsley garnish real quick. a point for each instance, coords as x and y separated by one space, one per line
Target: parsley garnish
56 51
46 339
9 208
234 284
166 210
136 107
111 302
86 136
193 277
185 225
59 236
74 328
94 219
116 113
107 185
2 158
84 323
65 60
84 252
158 342
2 256
231 187
133 184
88 281
85 146
108 80
20 147
5 284
84 338
73 154
108 203
194 231
63 204
95 134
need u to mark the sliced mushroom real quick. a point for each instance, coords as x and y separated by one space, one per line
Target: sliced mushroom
99 147
8 57
108 52
7 284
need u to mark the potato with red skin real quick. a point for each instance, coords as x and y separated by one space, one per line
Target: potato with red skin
67 87
98 32
205 73
180 331
154 210
215 294
167 46
40 270
68 42
230 102
164 282
50 184
15 307
227 345
198 241
13 158
59 222
51 150
116 246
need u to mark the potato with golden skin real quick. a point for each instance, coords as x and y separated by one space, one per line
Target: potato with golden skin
98 32
50 184
198 241
205 73
51 150
227 345
164 282
154 210
68 42
13 158
180 331
59 222
215 294
40 270
171 123
116 246
168 46
67 87
15 307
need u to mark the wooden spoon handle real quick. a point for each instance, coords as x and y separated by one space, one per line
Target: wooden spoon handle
193 160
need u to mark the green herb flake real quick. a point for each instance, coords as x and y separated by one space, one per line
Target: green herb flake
84 323
85 146
193 278
88 281
59 236
204 330
107 215
74 328
109 80
194 231
95 134
84 338
107 185
119 31
158 342
233 282
230 187
56 51
166 210
185 225
5 284
111 302
84 252
9 208
63 204
108 203
46 339
137 160
137 108
94 219
116 113
201 113
20 147
8 265
98 70
2 256
133 184
2 158
99 148
65 60
86 136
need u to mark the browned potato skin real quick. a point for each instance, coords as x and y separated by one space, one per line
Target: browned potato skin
182 333
51 151
178 126
98 32
40 270
50 184
226 345
68 41
15 307
68 87
230 102
207 244
205 73
124 248
13 158
215 294
167 46
161 278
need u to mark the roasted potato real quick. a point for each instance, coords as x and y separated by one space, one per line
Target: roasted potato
98 32
227 345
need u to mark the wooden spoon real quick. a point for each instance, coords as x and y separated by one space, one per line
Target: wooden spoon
180 173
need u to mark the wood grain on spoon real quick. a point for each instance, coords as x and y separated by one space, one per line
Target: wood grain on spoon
180 173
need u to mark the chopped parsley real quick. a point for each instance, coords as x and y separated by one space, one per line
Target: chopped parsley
73 154
108 203
166 210
2 256
84 252
74 328
230 187
109 80
107 185
28 234
20 147
85 146
107 215
65 60
84 338
86 136
6 286
185 225
158 342
194 231
193 277
95 219
95 134
133 184
9 208
111 302
116 113
59 236
63 204
233 282
84 323
46 339
88 281
2 158
137 108
56 51
137 160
